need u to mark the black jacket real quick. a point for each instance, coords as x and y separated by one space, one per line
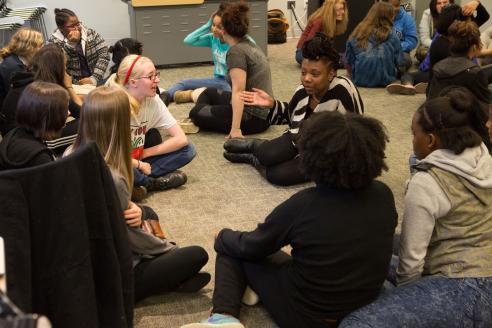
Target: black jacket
10 65
459 71
66 246
20 149
20 81
341 247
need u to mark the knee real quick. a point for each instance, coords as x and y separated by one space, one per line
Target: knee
198 254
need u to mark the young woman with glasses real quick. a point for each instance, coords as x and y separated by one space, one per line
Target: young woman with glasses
86 50
154 161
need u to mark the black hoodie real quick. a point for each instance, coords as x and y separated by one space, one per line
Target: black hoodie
20 149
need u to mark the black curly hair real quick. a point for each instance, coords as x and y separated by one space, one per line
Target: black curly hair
320 47
123 48
343 151
455 119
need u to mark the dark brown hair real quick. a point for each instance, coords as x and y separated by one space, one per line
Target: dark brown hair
48 64
235 19
43 109
463 37
343 151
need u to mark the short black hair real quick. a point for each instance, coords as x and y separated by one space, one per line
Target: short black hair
343 151
455 119
43 109
123 48
448 15
320 47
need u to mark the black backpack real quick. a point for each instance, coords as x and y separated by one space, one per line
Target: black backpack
277 26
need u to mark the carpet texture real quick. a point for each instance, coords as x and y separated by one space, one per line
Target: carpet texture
220 194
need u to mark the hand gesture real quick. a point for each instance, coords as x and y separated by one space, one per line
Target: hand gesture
145 168
133 215
234 133
257 97
469 8
85 80
74 36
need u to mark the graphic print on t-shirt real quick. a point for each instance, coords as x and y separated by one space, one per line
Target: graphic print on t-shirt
138 139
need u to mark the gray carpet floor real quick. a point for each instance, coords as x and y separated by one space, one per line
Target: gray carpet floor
221 194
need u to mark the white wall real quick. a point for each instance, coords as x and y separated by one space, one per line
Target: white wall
301 9
108 17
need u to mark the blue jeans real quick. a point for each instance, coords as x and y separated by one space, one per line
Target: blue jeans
192 84
164 164
433 301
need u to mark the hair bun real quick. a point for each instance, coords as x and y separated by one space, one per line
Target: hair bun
57 10
461 98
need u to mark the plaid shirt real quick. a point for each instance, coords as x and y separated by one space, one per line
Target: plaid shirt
95 50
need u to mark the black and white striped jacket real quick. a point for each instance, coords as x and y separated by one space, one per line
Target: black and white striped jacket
341 96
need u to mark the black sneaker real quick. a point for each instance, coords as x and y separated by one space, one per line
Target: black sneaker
168 181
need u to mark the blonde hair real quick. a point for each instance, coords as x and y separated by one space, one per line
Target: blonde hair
25 42
331 27
105 119
136 71
377 23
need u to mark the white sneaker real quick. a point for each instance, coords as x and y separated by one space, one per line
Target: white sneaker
188 126
250 297
216 320
196 93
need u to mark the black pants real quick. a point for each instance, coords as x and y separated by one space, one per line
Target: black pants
168 271
414 78
281 160
213 111
268 278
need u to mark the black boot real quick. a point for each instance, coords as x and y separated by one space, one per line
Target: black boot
247 159
168 181
239 145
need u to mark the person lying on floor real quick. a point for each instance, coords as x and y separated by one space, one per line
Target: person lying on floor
162 267
41 115
340 231
278 159
154 161
444 267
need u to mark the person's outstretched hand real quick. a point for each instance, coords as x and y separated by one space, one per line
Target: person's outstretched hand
257 97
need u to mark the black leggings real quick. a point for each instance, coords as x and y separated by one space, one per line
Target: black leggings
281 160
269 279
414 78
213 111
168 271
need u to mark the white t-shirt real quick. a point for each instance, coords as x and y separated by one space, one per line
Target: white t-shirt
153 114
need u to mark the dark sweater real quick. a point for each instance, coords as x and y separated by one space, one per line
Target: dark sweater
20 149
10 65
341 240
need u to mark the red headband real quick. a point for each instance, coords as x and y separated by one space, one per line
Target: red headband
127 77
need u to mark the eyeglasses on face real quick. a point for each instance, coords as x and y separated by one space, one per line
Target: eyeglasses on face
73 26
151 77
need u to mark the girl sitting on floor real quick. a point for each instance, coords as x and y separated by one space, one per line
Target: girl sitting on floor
373 50
41 116
331 19
278 159
47 65
444 269
248 67
182 91
16 56
87 52
154 161
105 120
340 231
